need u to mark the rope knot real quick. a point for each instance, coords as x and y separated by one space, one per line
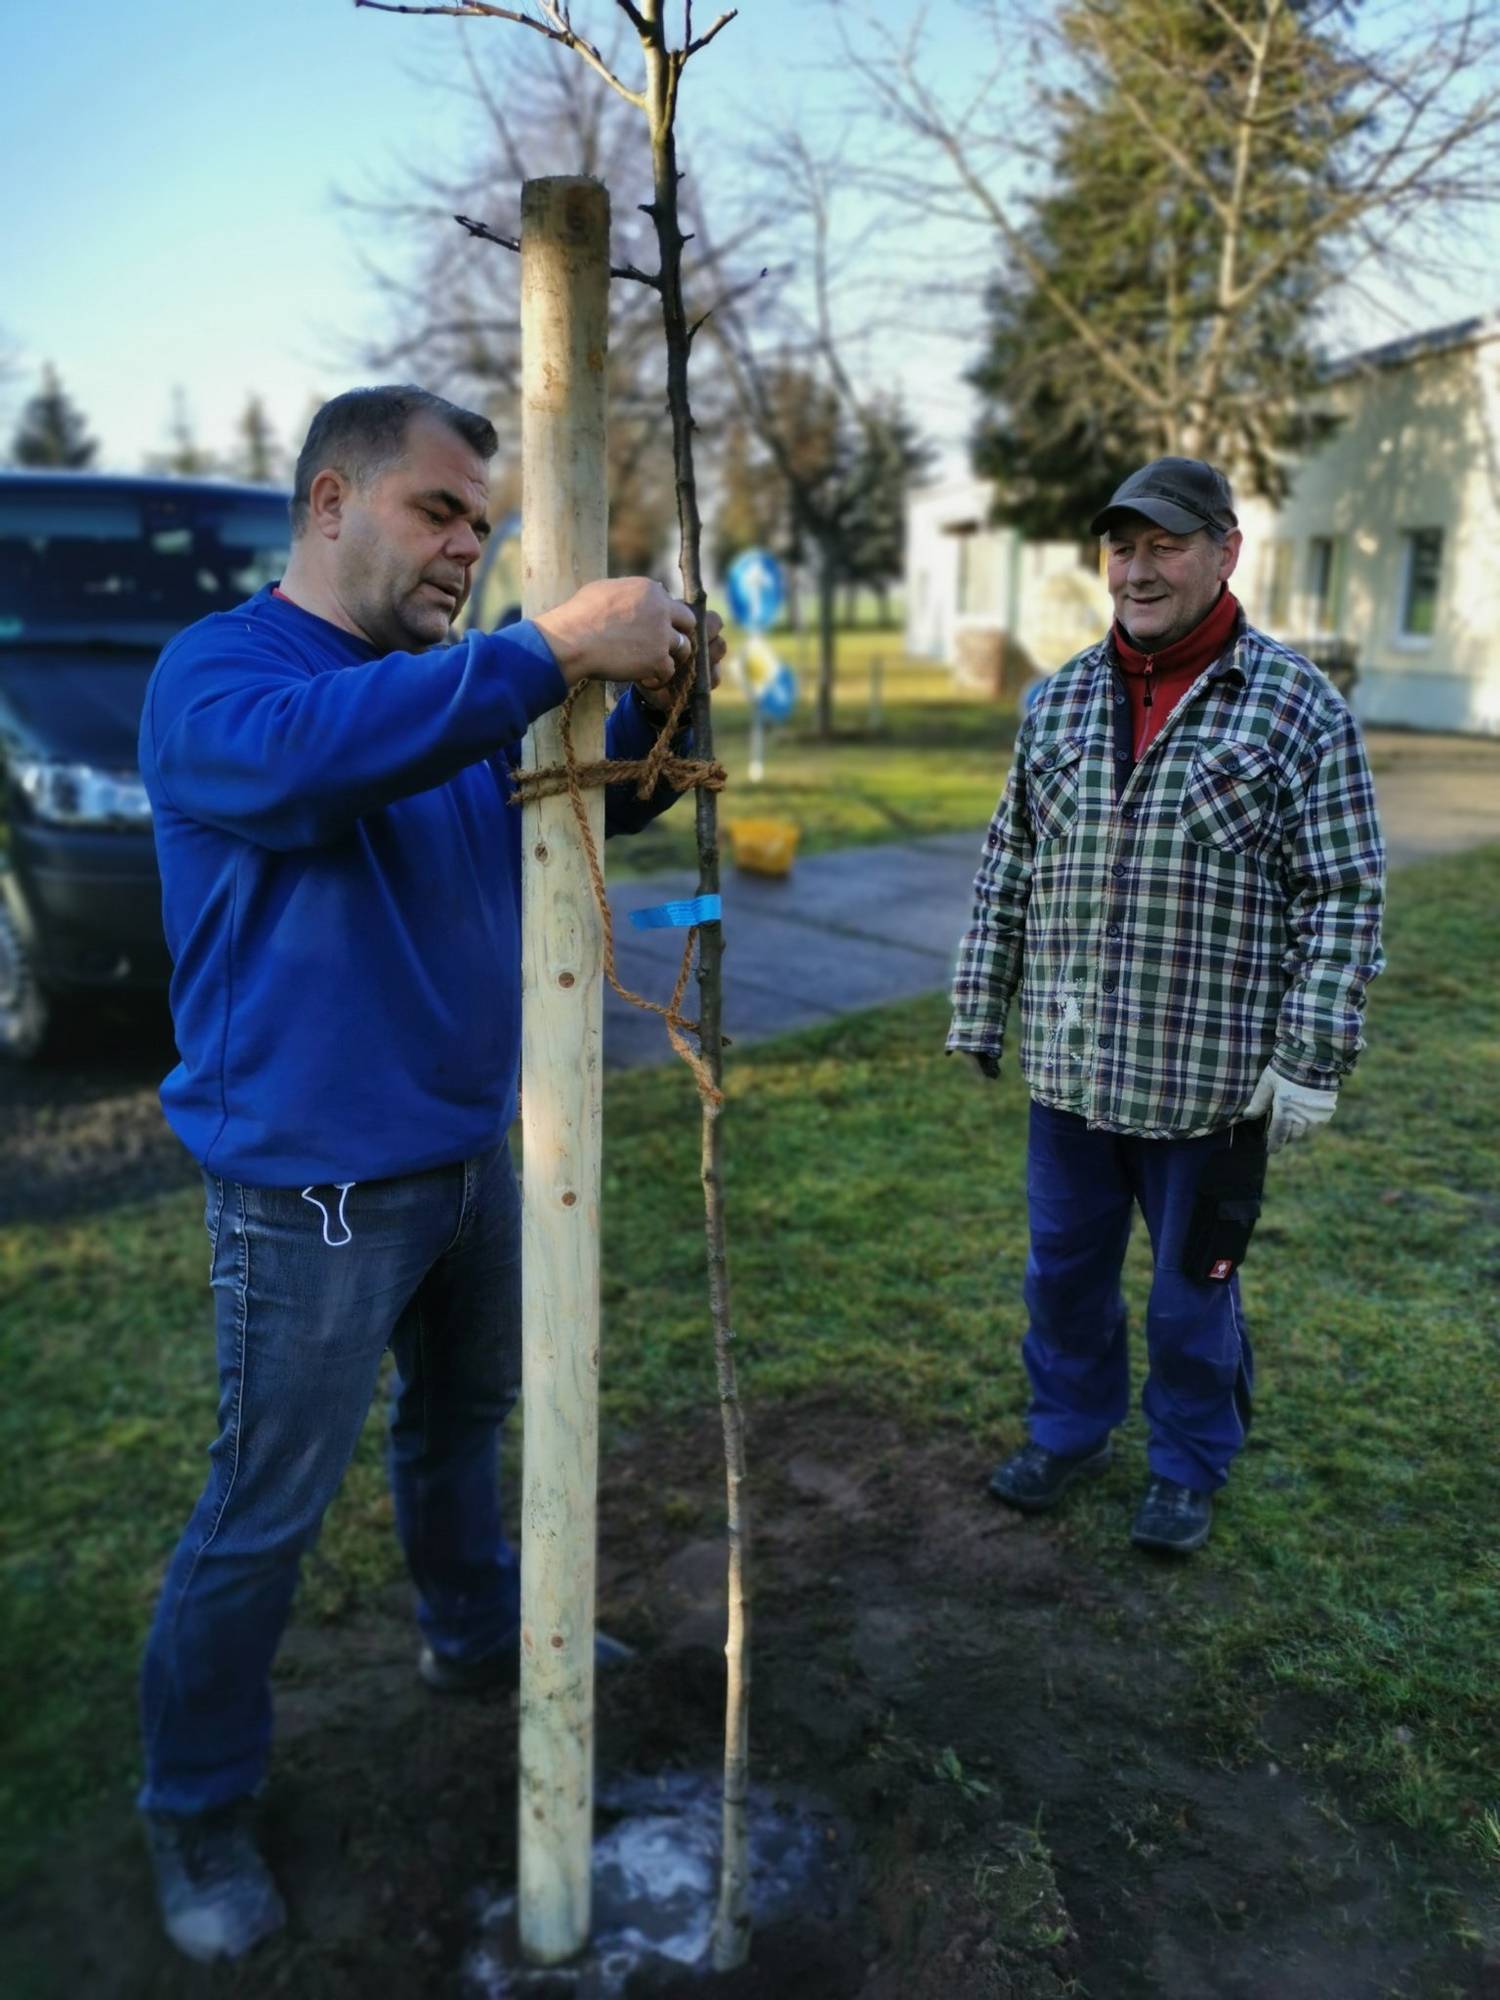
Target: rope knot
682 774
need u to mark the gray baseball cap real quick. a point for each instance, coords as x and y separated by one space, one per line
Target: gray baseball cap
1181 495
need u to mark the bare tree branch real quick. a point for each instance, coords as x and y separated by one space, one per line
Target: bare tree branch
488 235
692 47
556 28
483 231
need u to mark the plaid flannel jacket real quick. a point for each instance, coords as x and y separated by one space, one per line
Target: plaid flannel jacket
1175 924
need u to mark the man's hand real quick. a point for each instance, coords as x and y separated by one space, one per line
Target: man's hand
984 1068
624 629
661 698
1295 1108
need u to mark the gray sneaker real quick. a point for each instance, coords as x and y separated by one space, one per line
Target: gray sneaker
216 1894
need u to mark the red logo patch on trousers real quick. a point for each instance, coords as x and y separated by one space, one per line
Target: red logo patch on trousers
1223 1269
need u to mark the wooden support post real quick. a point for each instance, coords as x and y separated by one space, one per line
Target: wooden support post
564 512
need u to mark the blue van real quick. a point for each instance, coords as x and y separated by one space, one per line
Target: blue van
96 574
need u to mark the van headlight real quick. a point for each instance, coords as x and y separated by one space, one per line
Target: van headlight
80 795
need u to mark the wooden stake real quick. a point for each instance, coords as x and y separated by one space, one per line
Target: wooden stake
564 323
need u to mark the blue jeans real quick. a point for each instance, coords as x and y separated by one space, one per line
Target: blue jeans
1081 1189
310 1289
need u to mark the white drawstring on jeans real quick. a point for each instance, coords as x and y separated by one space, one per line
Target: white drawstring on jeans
333 1242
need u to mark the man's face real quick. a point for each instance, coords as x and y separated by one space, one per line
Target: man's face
408 542
1164 584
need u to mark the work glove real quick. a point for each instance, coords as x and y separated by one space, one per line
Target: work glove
1295 1108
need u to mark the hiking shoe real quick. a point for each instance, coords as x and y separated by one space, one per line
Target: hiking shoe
1036 1479
216 1894
446 1675
1172 1517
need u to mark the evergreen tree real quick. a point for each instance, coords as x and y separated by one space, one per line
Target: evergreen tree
52 430
184 455
891 456
260 457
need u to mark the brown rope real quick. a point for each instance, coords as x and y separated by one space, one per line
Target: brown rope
682 774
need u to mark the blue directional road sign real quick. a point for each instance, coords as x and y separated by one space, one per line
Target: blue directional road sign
756 589
779 696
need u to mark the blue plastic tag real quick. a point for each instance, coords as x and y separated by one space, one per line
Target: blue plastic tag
678 916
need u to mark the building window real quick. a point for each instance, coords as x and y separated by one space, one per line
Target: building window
1278 583
966 532
1324 578
1419 582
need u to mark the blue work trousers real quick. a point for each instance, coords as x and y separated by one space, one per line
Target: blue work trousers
1082 1186
311 1286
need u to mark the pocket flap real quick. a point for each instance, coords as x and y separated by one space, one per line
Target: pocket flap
1233 760
1055 753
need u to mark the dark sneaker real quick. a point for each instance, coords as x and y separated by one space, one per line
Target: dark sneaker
502 1670
1172 1517
1036 1479
216 1894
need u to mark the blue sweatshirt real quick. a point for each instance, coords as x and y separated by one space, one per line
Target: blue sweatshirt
341 888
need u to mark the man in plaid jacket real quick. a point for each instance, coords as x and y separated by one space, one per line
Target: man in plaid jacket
1184 877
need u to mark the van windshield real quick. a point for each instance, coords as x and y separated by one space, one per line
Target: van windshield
104 563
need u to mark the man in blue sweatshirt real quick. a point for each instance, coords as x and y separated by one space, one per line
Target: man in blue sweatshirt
341 880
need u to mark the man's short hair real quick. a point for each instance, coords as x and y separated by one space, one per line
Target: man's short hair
362 432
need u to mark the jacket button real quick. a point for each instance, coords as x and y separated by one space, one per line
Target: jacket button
1105 1040
1109 985
1118 870
1113 931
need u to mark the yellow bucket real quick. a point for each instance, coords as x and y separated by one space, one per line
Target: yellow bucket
763 846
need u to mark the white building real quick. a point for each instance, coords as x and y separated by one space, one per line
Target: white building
1387 547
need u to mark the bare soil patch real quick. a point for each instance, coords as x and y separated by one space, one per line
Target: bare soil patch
1003 1735
83 1128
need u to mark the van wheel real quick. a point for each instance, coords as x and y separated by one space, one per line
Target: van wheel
25 1015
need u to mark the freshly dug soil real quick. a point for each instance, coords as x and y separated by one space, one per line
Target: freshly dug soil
1000 1734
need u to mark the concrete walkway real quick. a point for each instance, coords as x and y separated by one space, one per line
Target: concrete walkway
868 925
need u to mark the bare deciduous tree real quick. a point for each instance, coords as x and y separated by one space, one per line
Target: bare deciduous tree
455 314
657 101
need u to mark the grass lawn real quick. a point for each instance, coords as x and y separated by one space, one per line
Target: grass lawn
877 1236
933 761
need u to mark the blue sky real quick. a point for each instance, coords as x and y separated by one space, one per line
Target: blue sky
173 167
180 160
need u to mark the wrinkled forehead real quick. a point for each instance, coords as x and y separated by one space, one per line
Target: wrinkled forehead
436 459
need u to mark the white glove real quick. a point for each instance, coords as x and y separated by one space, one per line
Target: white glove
1295 1108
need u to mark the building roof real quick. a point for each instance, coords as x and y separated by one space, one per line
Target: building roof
1414 346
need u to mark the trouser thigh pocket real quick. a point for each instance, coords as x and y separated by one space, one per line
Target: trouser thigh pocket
1226 1206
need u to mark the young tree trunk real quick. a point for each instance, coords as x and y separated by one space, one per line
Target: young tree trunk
731 1929
664 67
